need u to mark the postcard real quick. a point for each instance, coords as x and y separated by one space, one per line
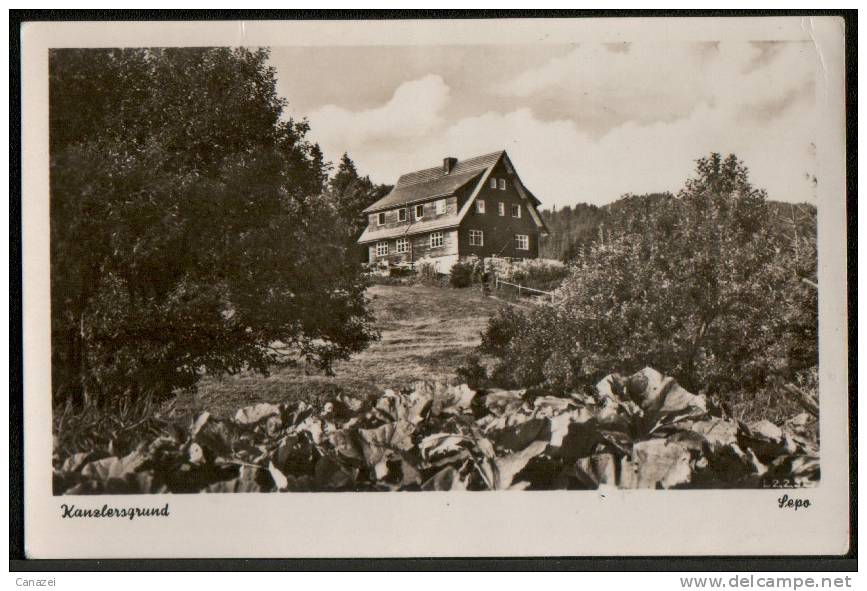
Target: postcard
409 288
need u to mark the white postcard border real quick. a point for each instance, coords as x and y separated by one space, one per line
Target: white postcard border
556 523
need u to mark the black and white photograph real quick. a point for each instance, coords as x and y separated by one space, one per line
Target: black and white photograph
584 265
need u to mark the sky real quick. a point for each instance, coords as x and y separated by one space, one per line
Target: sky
581 122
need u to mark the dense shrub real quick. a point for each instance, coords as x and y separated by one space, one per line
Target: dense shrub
541 274
187 222
469 271
462 274
521 343
544 274
426 273
472 372
698 286
378 279
391 276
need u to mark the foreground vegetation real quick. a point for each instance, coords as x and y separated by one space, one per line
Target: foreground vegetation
188 226
641 431
704 286
426 332
199 265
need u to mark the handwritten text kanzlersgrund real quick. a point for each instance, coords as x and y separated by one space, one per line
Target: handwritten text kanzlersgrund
73 512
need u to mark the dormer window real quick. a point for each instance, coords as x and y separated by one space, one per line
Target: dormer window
380 218
401 214
419 212
480 206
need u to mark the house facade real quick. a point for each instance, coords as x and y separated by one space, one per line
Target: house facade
477 206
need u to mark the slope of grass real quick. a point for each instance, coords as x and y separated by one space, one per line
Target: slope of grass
426 332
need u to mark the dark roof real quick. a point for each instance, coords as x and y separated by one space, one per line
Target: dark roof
372 233
434 182
532 197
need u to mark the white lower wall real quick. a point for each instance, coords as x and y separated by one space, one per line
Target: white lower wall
443 264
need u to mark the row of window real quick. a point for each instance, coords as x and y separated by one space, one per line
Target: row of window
514 208
418 212
477 238
497 184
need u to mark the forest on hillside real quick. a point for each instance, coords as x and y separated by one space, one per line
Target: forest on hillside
580 225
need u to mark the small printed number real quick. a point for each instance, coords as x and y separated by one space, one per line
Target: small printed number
782 483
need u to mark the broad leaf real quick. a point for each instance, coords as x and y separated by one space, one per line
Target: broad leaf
255 413
660 464
113 467
332 475
507 467
446 479
718 433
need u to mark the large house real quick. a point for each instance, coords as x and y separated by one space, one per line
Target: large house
477 206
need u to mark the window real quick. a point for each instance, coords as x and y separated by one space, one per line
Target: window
401 215
522 242
477 238
501 208
419 212
516 210
380 218
381 249
441 206
502 184
480 206
402 245
436 239
493 183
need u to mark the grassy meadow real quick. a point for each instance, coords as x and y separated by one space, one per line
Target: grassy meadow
425 333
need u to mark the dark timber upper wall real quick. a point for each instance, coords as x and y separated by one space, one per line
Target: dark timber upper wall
499 231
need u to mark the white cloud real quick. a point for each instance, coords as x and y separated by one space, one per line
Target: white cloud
595 124
663 82
630 84
413 110
563 165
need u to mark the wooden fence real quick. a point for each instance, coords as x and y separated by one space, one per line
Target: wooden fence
523 288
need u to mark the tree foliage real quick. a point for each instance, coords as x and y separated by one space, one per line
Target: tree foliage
575 227
638 431
349 193
704 286
187 225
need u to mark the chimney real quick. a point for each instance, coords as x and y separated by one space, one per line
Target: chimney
449 164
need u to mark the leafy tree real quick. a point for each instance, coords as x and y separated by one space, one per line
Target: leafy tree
188 227
574 228
350 193
702 286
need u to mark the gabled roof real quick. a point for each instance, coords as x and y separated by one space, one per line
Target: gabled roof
430 183
372 233
438 187
434 182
